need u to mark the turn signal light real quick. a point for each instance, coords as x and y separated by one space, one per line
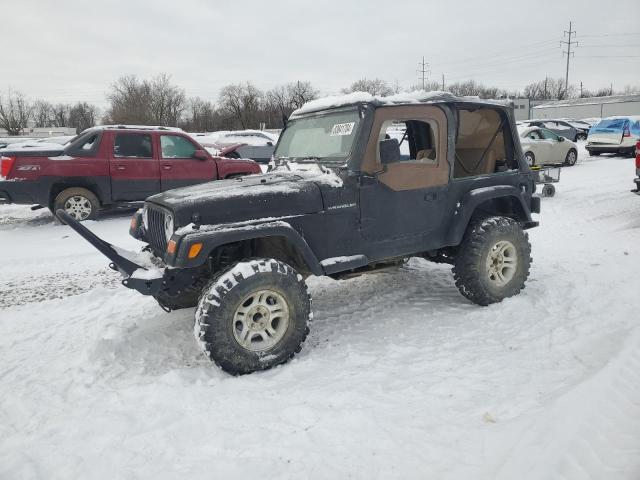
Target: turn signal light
171 247
134 223
194 250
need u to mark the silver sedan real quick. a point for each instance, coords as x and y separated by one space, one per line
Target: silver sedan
543 147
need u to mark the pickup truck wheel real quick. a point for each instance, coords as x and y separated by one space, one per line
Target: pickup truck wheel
493 260
80 203
253 316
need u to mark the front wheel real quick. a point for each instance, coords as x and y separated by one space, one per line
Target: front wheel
253 316
571 158
493 260
80 203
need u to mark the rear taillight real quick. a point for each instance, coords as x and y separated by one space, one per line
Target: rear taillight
6 164
626 132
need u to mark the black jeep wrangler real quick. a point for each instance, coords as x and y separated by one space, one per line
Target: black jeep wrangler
353 187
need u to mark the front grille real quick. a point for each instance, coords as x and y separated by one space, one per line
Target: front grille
155 230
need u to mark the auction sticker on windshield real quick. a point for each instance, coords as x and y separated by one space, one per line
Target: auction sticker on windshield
342 129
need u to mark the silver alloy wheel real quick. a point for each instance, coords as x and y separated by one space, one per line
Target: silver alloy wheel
529 158
571 157
78 207
261 320
502 263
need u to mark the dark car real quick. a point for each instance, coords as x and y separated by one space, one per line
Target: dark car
343 200
107 166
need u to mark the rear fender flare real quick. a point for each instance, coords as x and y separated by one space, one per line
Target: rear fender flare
471 200
213 237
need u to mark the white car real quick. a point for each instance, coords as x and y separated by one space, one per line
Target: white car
543 147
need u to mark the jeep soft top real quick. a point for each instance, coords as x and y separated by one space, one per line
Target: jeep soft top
357 183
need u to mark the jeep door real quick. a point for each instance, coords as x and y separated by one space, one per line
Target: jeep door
179 166
133 167
402 203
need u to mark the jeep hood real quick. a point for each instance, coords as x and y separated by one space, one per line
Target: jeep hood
246 198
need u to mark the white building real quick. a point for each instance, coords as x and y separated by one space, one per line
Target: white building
37 132
589 107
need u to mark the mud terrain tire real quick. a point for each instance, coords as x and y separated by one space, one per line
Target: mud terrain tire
493 260
253 316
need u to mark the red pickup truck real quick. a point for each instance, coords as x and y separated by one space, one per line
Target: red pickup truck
110 165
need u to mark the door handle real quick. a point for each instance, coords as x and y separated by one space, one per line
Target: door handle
120 167
166 167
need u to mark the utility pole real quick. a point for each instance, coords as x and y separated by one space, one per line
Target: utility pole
545 88
423 71
443 82
580 88
568 52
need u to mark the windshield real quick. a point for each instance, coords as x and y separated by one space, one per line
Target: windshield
325 138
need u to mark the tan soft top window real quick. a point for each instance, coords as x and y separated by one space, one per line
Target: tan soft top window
479 133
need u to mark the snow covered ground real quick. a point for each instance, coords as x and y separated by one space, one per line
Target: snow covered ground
401 377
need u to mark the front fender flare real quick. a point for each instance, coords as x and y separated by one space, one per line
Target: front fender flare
474 198
212 237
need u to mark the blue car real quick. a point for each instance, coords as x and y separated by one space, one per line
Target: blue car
614 135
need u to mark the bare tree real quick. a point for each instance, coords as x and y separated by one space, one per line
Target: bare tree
59 115
280 101
167 101
374 86
242 102
42 114
301 93
82 116
200 116
15 112
549 89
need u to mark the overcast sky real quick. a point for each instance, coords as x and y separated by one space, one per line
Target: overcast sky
66 51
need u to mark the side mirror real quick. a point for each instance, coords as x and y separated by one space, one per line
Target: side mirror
200 155
389 151
561 139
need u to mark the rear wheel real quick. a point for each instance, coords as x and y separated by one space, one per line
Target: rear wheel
80 203
493 260
571 158
253 316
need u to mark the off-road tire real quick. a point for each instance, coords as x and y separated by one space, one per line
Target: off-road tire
530 155
570 160
469 269
87 196
215 316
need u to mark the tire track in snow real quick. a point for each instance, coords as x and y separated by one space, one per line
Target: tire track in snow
38 288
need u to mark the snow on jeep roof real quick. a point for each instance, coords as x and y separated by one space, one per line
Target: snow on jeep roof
418 96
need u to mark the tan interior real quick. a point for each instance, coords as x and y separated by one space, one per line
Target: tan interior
410 175
476 129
